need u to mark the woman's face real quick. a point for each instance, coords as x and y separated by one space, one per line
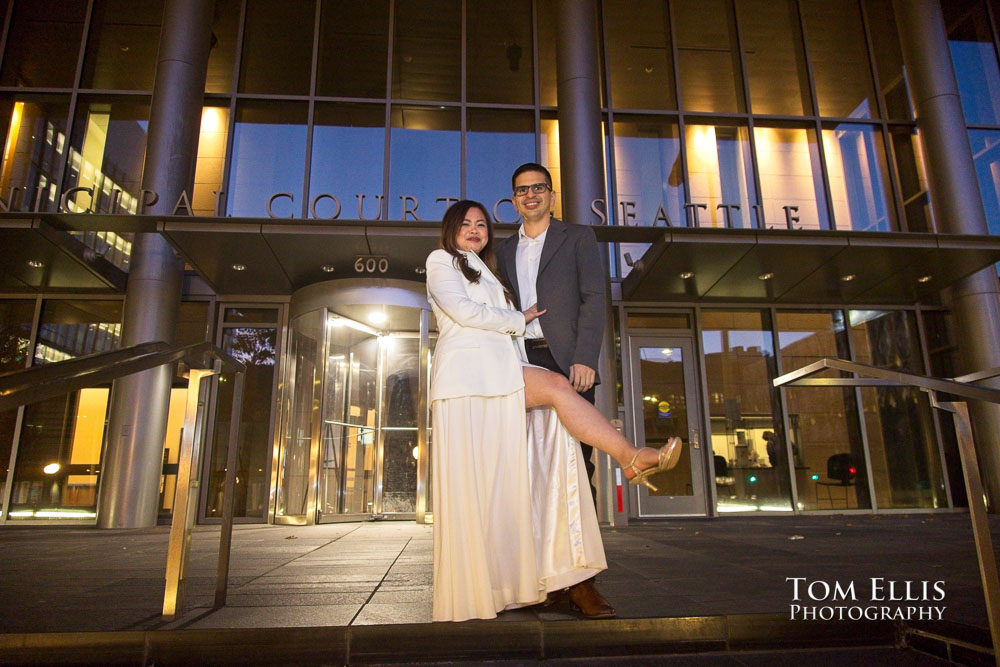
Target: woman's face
473 233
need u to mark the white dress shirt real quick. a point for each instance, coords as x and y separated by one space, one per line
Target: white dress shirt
529 255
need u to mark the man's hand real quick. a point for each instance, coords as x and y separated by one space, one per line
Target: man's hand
581 377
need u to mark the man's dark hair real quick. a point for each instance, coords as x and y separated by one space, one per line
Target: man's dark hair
530 166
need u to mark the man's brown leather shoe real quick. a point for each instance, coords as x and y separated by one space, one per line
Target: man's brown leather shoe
589 600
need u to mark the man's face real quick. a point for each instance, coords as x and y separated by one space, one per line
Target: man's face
533 206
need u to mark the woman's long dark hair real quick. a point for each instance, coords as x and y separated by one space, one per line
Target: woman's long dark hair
450 225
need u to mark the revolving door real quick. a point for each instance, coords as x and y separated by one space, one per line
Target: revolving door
355 430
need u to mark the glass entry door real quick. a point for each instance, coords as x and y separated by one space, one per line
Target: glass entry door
665 404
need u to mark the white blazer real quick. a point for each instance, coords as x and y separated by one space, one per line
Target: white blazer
475 354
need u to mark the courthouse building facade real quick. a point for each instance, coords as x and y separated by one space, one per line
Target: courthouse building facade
772 181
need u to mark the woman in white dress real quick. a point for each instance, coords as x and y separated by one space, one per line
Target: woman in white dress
509 526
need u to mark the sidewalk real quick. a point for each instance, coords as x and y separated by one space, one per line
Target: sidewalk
67 579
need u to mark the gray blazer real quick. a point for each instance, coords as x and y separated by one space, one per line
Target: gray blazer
570 286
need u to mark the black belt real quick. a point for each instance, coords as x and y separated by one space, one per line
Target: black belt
536 343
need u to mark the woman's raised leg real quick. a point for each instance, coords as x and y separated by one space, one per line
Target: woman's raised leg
584 421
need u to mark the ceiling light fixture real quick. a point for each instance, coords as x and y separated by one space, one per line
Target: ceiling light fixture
239 267
765 276
924 279
848 278
35 264
328 268
687 274
420 270
377 317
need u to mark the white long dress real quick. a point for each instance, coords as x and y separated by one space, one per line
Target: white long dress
512 515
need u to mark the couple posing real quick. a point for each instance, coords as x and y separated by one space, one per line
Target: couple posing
512 399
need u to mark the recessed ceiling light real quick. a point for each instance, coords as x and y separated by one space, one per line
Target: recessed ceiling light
35 264
924 279
239 267
765 276
848 278
328 268
377 317
648 69
420 270
687 274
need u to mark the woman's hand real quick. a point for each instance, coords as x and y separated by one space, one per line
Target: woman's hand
532 313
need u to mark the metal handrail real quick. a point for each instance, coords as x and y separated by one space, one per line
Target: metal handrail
38 383
960 386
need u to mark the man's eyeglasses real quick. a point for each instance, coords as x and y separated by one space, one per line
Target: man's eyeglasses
536 189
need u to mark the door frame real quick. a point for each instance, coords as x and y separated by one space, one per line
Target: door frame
643 506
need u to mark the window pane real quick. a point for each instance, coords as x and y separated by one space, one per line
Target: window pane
912 183
427 50
790 177
43 44
106 153
835 39
269 156
648 172
776 68
906 464
254 347
986 154
856 169
353 48
496 144
255 315
15 335
639 54
121 51
34 152
550 158
888 59
347 157
823 425
58 458
498 52
277 47
211 161
547 26
709 64
721 174
421 137
222 57
974 58
750 459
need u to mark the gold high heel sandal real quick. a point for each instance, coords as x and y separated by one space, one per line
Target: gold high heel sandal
667 458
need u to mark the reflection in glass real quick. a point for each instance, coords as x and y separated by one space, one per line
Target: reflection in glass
496 143
824 432
907 153
35 150
888 58
269 154
353 48
835 40
121 50
790 176
975 61
721 174
211 161
254 347
639 54
986 156
59 453
707 58
399 425
776 67
277 47
498 52
222 57
302 380
665 414
347 157
750 458
422 137
427 50
856 169
43 44
549 157
906 464
15 335
347 469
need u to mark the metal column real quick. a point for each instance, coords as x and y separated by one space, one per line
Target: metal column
956 204
131 470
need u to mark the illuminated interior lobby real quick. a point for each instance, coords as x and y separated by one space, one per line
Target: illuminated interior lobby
772 182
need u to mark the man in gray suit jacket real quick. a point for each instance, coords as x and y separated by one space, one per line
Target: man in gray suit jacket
559 267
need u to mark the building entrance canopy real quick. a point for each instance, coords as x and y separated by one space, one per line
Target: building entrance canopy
238 256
